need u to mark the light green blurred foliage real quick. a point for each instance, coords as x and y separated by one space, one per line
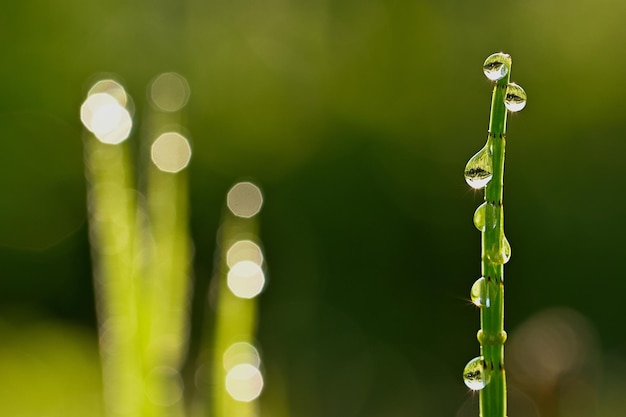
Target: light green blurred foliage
49 369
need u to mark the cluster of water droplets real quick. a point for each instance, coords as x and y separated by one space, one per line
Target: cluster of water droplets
479 169
476 375
478 172
485 219
496 67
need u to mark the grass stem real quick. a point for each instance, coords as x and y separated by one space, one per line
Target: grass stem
493 397
486 169
240 278
112 204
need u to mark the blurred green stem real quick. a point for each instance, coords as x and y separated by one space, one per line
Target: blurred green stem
112 211
167 276
141 254
235 320
166 285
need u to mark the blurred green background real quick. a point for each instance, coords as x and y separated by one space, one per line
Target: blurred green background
356 118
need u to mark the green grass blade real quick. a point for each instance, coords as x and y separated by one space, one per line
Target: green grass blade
236 316
112 208
493 396
486 169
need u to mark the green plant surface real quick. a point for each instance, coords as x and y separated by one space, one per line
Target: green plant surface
486 169
141 255
492 336
112 203
166 269
236 317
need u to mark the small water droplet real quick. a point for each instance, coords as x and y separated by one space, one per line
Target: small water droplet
480 293
479 169
496 66
515 98
500 254
491 339
475 374
485 217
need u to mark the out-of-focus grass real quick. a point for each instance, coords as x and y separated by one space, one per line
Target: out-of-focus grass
238 280
49 369
141 253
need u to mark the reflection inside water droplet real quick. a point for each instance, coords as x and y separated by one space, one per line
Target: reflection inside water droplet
515 98
475 374
485 217
480 293
479 169
496 66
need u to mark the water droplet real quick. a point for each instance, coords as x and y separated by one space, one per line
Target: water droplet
479 168
500 254
480 293
491 339
496 66
485 217
515 98
475 374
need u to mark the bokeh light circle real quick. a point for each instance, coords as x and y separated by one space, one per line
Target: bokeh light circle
171 152
244 199
244 382
246 279
169 92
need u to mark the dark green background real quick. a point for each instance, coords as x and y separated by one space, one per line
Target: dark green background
356 118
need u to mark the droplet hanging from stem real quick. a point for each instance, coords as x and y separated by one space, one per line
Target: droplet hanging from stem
515 98
480 293
479 169
476 375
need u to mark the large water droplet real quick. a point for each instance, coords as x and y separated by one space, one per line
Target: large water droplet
496 66
485 217
480 293
515 98
475 374
500 254
479 168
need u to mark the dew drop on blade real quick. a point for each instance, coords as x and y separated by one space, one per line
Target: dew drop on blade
480 293
479 169
496 66
506 250
485 217
500 254
475 374
515 98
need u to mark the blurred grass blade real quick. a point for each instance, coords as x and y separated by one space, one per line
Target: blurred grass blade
236 376
112 213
